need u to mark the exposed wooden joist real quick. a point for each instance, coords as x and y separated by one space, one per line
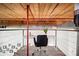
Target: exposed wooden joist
59 10
54 8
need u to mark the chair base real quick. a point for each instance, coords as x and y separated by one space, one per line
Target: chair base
39 52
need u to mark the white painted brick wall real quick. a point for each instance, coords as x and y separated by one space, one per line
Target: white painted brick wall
10 37
66 42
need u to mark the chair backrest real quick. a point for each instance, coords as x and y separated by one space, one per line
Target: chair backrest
42 40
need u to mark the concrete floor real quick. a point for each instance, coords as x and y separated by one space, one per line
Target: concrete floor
50 51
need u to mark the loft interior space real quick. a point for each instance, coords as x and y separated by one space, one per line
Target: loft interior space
39 29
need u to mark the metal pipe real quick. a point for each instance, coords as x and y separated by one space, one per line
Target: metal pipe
55 38
23 37
27 30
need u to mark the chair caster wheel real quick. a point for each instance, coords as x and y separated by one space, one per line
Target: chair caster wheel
32 54
45 51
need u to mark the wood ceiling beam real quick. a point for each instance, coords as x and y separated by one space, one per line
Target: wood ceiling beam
5 15
48 9
42 7
4 12
25 9
31 11
54 9
36 10
36 19
44 10
64 9
10 9
60 9
68 9
47 6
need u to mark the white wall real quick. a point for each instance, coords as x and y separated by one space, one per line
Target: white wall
10 37
66 42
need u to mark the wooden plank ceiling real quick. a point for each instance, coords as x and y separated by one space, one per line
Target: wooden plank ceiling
52 13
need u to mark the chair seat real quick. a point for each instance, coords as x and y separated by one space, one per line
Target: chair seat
40 45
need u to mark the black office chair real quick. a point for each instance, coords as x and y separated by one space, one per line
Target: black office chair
41 41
